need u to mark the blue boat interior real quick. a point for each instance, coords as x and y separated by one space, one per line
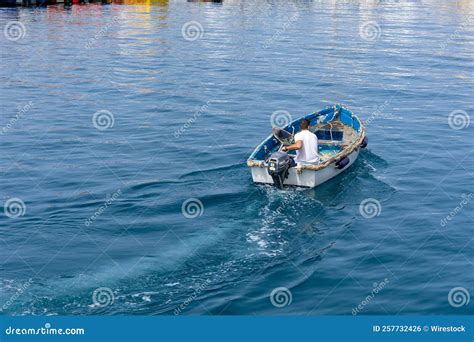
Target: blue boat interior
321 123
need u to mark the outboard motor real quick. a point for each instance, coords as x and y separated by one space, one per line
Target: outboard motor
277 166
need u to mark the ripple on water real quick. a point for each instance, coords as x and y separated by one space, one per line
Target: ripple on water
183 128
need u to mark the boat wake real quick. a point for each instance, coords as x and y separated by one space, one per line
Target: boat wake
265 230
279 219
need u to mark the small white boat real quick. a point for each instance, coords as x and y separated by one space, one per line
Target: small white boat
340 134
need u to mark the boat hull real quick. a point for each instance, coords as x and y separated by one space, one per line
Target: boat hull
304 178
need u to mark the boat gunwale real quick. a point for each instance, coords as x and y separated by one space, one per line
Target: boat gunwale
316 167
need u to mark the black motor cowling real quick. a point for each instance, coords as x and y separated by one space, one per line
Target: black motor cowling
277 167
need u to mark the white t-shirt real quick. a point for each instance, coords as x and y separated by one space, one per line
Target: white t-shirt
309 152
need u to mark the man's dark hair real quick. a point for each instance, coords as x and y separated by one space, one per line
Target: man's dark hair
304 124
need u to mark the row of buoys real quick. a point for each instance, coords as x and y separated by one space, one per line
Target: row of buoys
82 2
39 3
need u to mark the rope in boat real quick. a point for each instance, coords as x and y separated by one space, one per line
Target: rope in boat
317 167
330 131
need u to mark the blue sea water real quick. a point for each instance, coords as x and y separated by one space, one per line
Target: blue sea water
111 120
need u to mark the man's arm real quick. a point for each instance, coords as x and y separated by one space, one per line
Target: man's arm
296 146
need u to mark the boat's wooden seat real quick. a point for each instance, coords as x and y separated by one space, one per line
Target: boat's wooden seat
333 125
326 155
329 142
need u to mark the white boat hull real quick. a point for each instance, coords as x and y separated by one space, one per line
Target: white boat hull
307 178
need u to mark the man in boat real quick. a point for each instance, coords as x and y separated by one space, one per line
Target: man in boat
306 145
